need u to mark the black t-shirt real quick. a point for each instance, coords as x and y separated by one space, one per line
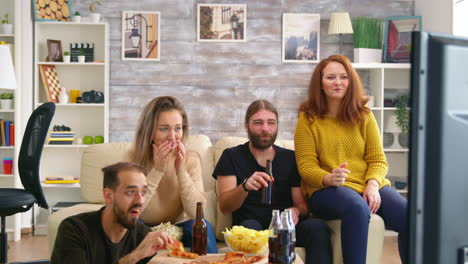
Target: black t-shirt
81 240
240 162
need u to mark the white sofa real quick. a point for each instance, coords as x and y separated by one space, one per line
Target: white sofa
98 156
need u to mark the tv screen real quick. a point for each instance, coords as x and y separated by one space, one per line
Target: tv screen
438 166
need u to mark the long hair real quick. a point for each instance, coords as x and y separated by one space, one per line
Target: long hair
258 105
142 153
352 109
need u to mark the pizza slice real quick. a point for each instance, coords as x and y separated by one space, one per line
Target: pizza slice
177 250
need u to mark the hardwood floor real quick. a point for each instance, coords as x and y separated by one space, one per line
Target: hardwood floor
36 248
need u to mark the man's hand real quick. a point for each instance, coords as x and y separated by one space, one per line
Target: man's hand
257 181
295 214
153 242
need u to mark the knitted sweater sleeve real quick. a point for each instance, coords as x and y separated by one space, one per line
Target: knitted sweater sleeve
191 185
377 166
306 153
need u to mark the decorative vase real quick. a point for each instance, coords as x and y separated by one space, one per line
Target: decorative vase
6 104
76 19
66 58
95 17
63 96
81 59
403 140
362 55
388 139
7 29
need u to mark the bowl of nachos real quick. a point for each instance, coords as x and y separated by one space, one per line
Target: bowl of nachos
250 241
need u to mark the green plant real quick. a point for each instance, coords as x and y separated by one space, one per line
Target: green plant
66 53
367 32
77 13
402 113
6 96
91 6
5 19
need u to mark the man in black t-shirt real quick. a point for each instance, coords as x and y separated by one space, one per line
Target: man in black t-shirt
113 234
240 174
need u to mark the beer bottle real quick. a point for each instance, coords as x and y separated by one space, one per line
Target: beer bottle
273 246
266 191
199 232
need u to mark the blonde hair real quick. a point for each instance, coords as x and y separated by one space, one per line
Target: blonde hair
142 152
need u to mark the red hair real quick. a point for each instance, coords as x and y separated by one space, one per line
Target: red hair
352 109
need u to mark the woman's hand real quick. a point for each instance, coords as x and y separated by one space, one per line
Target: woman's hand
337 177
180 157
161 155
372 196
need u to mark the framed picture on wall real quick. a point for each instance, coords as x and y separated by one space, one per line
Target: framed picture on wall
397 43
52 10
301 38
141 35
54 50
221 22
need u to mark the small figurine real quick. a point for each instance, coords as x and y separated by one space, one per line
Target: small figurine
63 96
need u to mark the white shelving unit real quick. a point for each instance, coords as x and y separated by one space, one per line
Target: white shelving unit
83 119
387 80
12 8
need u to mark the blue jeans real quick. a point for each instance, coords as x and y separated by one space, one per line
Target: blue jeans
187 235
349 206
312 234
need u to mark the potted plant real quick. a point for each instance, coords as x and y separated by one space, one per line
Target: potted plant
402 119
95 17
367 38
81 56
6 101
77 17
66 57
7 28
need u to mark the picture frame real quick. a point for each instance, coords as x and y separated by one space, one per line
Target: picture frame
141 35
397 41
54 48
301 38
52 10
221 23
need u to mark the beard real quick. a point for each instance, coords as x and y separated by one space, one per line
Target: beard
260 143
121 216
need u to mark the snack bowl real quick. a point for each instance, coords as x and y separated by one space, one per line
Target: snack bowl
247 243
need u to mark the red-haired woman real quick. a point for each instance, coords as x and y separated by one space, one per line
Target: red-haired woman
341 160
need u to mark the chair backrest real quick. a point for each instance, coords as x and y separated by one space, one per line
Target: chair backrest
31 150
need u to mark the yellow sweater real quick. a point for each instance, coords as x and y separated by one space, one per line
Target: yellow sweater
325 143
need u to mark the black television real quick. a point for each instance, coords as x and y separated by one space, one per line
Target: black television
438 158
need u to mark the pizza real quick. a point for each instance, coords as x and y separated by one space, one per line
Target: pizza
177 250
238 258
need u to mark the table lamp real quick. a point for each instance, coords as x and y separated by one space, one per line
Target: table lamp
340 23
7 73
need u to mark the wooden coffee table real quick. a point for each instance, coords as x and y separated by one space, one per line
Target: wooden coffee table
163 258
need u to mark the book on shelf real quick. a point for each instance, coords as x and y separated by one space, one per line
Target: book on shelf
7 133
2 131
62 142
61 179
12 134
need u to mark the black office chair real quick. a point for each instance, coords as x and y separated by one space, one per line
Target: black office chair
13 201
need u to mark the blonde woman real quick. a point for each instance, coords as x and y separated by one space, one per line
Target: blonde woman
173 173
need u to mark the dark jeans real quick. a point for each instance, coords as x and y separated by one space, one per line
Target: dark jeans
349 206
187 236
312 234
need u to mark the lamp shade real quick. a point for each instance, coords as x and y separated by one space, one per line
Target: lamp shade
340 23
7 73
